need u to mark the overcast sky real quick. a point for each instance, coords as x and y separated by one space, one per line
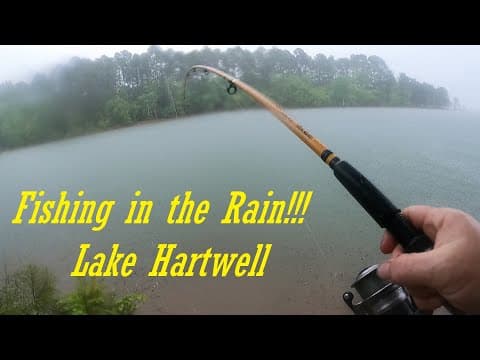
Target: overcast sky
455 67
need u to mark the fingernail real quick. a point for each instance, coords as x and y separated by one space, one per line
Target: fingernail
383 270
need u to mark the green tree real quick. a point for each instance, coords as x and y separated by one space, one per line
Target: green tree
29 291
32 291
118 111
83 95
295 91
341 92
90 297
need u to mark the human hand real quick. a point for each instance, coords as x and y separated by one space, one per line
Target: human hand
450 272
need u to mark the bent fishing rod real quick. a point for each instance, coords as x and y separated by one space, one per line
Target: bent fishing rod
377 205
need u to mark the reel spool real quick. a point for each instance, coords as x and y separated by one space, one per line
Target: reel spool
379 297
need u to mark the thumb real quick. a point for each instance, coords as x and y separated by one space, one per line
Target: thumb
416 269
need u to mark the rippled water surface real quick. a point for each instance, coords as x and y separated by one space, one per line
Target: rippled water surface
414 156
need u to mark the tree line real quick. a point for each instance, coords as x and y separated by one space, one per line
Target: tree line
86 95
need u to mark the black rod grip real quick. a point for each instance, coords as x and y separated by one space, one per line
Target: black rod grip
384 213
381 209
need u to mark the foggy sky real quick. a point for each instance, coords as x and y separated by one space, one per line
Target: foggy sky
455 67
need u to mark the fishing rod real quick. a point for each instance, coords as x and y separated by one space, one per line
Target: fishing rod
375 292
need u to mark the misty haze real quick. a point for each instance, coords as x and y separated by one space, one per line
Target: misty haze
120 122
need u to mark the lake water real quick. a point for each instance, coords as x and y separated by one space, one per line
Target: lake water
415 156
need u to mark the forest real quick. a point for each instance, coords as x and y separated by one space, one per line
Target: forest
84 96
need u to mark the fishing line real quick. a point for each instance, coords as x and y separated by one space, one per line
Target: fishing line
377 205
313 238
372 200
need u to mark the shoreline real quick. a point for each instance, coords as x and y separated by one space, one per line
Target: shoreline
187 116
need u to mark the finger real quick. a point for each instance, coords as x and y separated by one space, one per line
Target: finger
428 304
416 269
388 243
422 292
397 251
427 218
